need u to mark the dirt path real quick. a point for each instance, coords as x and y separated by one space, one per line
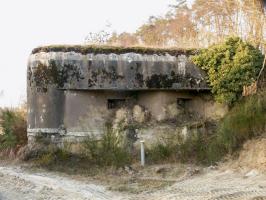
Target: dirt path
18 184
217 185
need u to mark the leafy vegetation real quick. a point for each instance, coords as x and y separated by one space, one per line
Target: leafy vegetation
107 151
192 149
161 152
52 156
245 121
103 152
230 66
14 128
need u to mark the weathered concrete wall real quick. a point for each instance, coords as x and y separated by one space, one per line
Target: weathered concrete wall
68 91
86 112
207 108
160 103
45 111
130 71
157 101
82 113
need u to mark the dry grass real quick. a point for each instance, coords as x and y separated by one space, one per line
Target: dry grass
85 49
13 125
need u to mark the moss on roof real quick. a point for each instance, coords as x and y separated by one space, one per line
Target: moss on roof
85 49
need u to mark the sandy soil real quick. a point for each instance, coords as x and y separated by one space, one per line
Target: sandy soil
217 185
19 184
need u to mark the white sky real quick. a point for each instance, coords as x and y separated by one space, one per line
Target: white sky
25 24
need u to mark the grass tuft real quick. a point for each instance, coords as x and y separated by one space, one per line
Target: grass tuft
85 49
14 129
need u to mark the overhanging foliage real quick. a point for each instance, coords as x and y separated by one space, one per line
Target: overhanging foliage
230 66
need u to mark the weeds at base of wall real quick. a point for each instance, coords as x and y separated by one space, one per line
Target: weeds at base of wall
191 150
14 129
93 152
109 151
107 154
51 156
245 121
160 152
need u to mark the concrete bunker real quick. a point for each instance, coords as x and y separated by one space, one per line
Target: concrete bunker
74 90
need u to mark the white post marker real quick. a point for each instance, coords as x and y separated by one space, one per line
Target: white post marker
142 153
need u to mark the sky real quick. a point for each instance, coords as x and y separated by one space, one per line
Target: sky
27 24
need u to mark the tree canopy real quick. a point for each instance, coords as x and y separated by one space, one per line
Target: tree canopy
202 24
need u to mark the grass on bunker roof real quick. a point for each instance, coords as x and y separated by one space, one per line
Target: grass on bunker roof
85 49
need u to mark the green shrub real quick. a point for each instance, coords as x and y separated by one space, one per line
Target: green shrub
193 149
107 151
14 126
45 159
161 152
230 66
245 120
51 156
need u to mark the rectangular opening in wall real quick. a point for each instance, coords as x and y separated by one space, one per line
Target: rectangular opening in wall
115 103
183 103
